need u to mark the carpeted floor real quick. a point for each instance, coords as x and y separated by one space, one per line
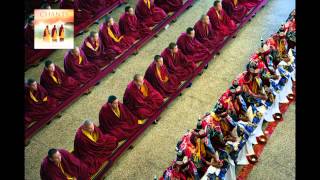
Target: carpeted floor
154 150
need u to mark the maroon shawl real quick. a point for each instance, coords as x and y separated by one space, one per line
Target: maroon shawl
237 13
151 16
192 48
207 36
61 91
130 26
226 25
166 89
169 5
123 127
70 164
101 57
179 64
141 106
94 154
79 16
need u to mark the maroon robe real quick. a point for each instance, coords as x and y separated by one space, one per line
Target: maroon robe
207 36
66 87
38 111
28 43
130 26
94 154
179 64
80 15
169 5
95 6
250 3
110 43
83 72
225 25
141 106
167 88
101 57
121 128
192 48
151 16
70 164
235 12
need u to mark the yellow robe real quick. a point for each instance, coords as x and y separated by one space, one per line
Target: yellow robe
92 136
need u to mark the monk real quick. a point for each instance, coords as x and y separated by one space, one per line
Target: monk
191 47
116 119
77 66
206 35
92 147
46 34
169 5
54 33
177 63
111 37
141 98
38 104
158 76
29 39
249 4
95 52
235 9
60 164
61 33
57 83
148 13
220 21
130 26
80 15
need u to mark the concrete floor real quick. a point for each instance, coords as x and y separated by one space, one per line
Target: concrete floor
154 150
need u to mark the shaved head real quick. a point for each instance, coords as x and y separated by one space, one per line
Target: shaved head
138 79
88 125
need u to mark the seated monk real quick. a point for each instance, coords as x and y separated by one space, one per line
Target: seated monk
169 5
206 35
60 164
249 4
148 13
220 21
158 76
80 15
57 83
93 147
235 9
77 66
111 37
29 39
116 119
130 26
95 52
54 33
177 63
191 47
141 98
38 105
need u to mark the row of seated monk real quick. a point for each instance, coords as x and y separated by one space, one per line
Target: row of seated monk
133 25
138 23
82 65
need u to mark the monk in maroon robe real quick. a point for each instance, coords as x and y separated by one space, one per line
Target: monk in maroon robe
60 164
206 35
235 9
57 83
95 51
220 21
130 26
141 98
250 3
93 147
177 63
148 13
29 40
169 5
111 37
54 33
116 119
158 76
77 66
38 104
80 15
191 47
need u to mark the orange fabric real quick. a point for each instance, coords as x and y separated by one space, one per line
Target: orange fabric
144 90
148 3
80 59
163 79
114 37
116 111
55 79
